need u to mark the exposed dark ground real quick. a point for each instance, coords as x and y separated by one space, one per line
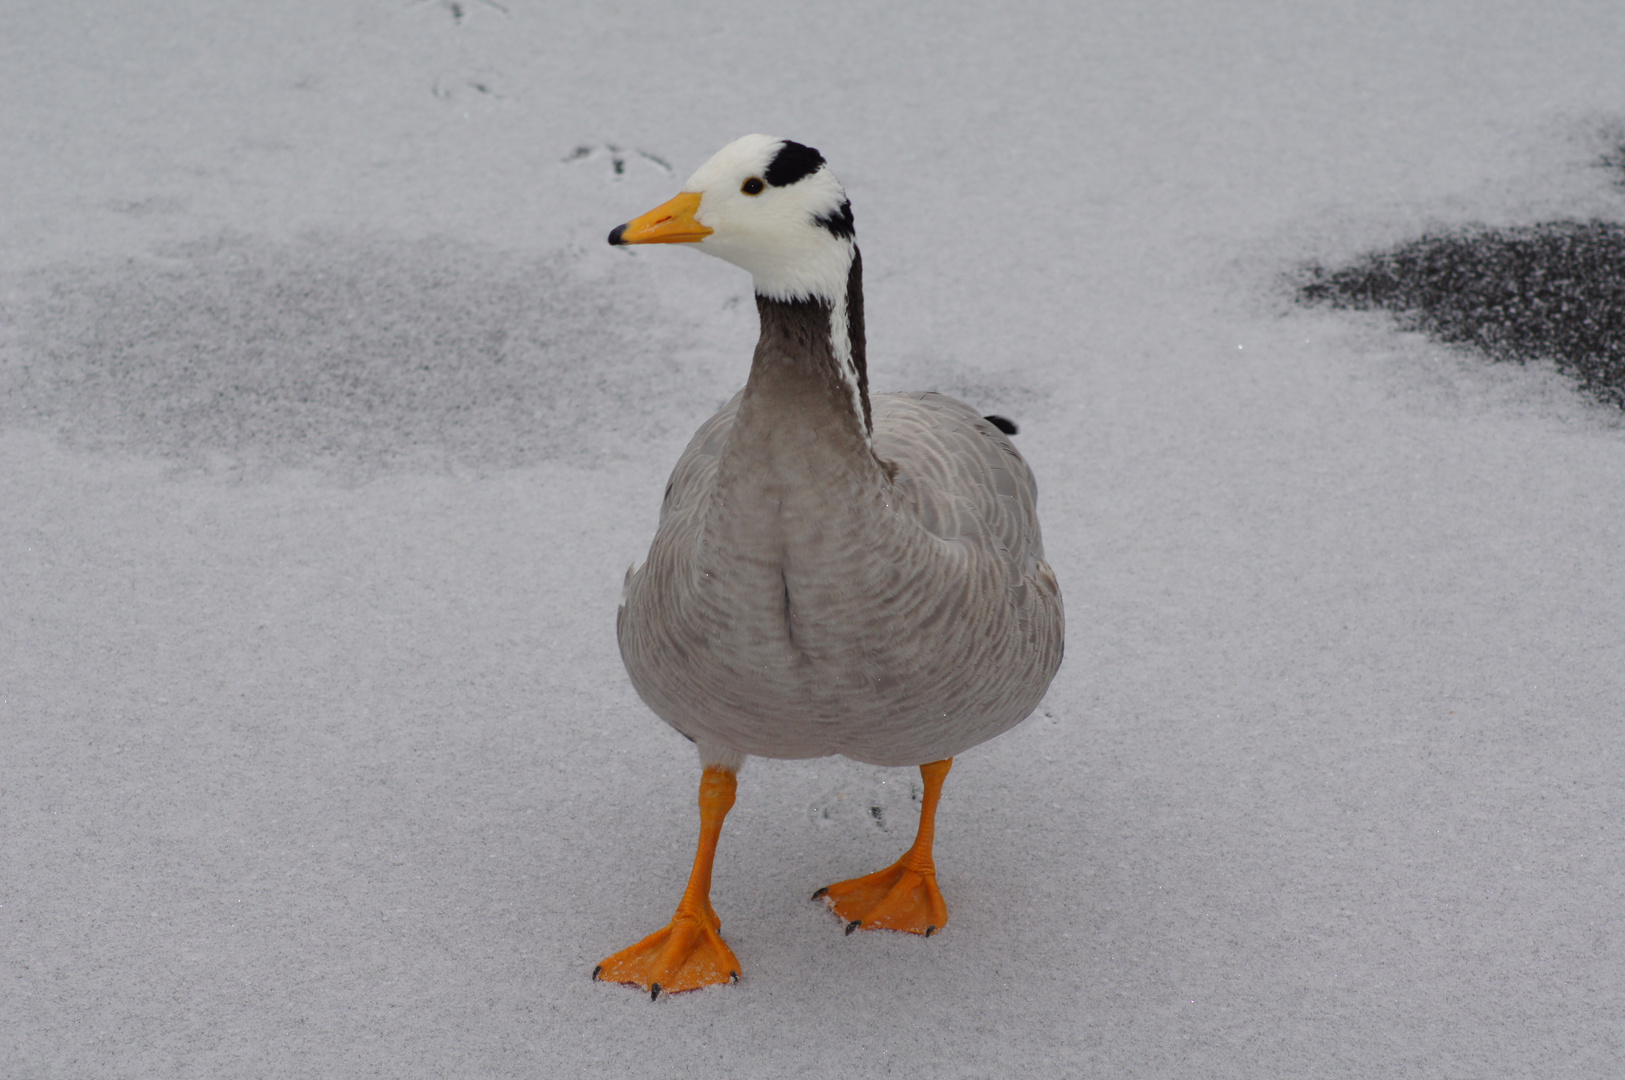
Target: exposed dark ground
1553 291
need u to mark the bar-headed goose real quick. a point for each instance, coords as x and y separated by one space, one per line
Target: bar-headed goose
833 573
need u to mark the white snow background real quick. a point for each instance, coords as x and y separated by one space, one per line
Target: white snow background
329 424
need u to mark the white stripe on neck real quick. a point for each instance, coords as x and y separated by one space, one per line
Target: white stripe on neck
821 273
840 343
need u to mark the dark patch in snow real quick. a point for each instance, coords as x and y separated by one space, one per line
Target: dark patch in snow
459 10
157 204
1554 291
355 355
1614 160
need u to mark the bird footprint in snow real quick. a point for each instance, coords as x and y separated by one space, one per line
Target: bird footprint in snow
459 9
617 157
452 85
872 803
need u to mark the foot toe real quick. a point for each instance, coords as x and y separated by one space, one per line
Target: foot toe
686 955
898 898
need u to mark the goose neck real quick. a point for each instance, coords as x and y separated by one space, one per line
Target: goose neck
811 356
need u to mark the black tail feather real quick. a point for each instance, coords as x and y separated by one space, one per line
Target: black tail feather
1004 424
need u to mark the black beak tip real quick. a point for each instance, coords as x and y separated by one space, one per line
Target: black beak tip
615 235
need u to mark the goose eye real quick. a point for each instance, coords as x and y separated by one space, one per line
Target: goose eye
753 186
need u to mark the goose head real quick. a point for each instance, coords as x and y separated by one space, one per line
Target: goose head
769 206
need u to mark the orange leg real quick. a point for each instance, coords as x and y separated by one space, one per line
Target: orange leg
689 953
904 896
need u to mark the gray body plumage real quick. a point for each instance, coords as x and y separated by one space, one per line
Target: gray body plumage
818 585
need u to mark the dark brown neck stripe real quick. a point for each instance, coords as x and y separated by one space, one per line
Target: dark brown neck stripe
797 332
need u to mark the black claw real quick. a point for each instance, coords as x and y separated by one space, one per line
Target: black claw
930 929
595 972
819 895
734 975
853 925
654 991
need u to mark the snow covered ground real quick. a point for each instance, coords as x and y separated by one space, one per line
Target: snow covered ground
329 423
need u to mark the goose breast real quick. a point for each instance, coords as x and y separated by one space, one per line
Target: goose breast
894 623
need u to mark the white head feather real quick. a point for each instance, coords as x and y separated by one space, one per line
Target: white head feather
782 234
774 234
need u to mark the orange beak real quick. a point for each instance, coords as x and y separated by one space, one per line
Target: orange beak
669 223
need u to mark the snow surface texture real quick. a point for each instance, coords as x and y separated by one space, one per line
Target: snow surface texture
329 423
